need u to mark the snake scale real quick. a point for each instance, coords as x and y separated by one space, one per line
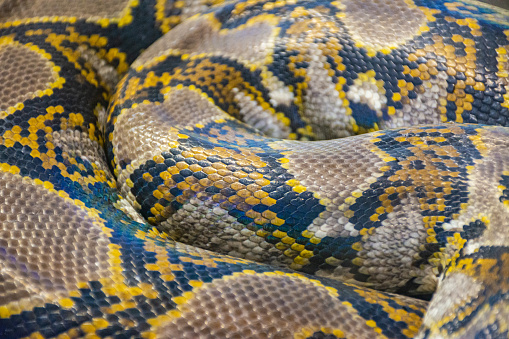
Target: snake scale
180 187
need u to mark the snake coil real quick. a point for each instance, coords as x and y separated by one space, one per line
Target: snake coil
186 191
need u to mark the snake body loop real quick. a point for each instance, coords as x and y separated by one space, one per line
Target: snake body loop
178 185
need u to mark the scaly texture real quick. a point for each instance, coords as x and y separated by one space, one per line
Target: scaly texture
191 143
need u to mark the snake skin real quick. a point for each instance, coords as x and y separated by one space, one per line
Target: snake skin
178 206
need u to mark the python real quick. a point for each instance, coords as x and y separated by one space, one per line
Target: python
164 171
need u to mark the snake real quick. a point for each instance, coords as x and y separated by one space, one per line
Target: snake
254 169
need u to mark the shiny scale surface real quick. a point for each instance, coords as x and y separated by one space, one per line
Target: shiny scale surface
178 206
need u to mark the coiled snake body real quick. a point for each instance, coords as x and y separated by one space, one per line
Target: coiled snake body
179 206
